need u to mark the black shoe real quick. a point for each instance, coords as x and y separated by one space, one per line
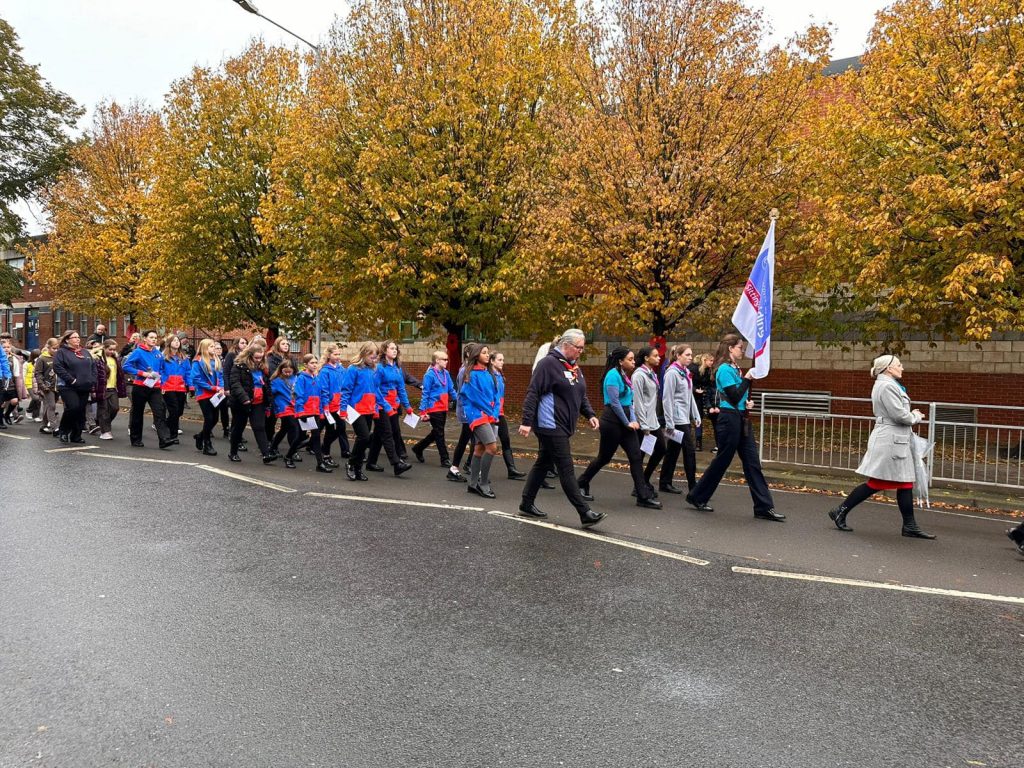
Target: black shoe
770 514
585 491
590 517
838 516
165 444
418 455
374 468
699 506
234 457
515 474
208 449
551 474
65 439
350 472
1016 535
456 477
296 458
530 510
330 462
77 441
485 491
138 444
322 467
199 442
669 489
473 489
916 533
402 467
269 458
289 463
346 454
226 434
445 463
174 441
546 485
648 503
242 448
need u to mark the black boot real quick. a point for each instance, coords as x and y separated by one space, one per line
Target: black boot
838 516
510 465
585 491
208 448
321 465
905 500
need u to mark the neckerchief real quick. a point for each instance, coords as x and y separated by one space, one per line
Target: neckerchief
652 374
685 371
573 368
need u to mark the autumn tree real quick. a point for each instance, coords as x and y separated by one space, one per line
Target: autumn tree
92 259
34 122
410 183
917 214
210 264
684 146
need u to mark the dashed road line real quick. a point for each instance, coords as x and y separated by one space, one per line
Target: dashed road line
3 433
73 448
600 537
878 585
139 458
246 479
398 502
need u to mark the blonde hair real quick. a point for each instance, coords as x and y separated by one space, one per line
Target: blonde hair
212 363
306 358
438 354
704 360
326 356
245 357
365 349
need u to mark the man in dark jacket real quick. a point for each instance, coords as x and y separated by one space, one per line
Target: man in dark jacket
556 397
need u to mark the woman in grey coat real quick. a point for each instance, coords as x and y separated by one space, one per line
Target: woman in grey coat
681 412
888 463
645 407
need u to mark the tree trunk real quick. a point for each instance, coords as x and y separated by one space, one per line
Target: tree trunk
453 346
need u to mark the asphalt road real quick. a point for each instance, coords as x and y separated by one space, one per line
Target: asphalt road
158 614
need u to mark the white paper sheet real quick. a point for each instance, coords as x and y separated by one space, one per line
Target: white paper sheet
309 424
351 414
150 382
411 420
677 436
217 399
648 443
329 417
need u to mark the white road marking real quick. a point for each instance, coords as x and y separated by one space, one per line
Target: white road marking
3 433
599 537
243 478
74 448
399 502
879 585
139 458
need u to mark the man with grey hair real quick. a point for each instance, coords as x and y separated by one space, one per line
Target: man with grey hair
556 397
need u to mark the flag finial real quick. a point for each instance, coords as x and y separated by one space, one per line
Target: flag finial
774 214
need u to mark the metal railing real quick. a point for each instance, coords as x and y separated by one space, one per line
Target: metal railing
980 452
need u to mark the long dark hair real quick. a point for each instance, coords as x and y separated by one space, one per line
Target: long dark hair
643 353
286 363
473 358
615 358
722 353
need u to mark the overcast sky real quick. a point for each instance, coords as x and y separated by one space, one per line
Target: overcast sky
134 49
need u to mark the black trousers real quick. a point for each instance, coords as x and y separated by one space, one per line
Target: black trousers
335 431
506 443
255 416
225 414
734 435
657 455
174 402
460 446
436 436
615 435
141 397
383 436
554 453
672 451
287 426
73 419
361 431
210 416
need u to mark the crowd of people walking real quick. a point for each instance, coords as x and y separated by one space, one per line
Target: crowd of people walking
653 411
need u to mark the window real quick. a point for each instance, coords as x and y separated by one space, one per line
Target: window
58 319
408 330
83 326
112 327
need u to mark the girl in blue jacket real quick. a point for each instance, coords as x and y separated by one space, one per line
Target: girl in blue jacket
207 382
387 431
359 392
330 377
308 405
438 394
481 406
282 388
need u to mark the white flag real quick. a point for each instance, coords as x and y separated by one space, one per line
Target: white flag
753 315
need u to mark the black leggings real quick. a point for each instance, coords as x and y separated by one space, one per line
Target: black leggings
384 436
225 415
174 404
465 436
656 455
904 500
335 431
73 418
255 415
288 427
615 435
210 414
361 430
438 420
672 451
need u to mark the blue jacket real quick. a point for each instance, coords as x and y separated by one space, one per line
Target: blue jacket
307 395
175 374
479 398
5 367
142 360
283 390
391 388
501 392
359 390
618 395
204 382
438 391
330 378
